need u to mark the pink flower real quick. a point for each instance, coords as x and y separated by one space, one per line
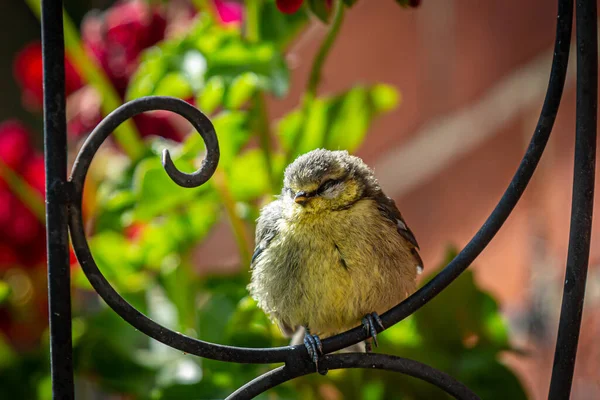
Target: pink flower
83 111
230 12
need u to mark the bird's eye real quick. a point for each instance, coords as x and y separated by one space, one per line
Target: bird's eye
328 184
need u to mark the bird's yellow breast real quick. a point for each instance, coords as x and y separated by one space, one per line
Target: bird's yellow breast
327 270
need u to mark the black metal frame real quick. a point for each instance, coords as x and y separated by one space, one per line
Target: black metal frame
64 202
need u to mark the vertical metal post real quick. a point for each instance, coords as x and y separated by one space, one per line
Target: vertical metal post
582 203
55 152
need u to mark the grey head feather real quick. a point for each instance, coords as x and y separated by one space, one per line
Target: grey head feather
317 165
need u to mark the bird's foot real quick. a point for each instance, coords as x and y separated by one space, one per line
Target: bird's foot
314 347
368 323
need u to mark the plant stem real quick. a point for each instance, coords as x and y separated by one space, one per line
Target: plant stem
126 134
252 20
264 135
28 195
263 126
317 67
237 224
315 72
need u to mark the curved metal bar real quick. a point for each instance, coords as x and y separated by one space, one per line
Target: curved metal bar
200 122
82 250
207 131
506 204
401 311
359 360
583 201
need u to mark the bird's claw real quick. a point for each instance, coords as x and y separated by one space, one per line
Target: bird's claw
368 323
314 347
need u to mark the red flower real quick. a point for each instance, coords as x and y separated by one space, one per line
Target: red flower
28 72
15 147
117 37
24 226
134 232
288 6
20 230
8 257
72 257
34 173
157 123
6 201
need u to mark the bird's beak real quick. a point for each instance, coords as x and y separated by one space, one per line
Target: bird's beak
301 198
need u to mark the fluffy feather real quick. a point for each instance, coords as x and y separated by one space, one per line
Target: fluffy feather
327 263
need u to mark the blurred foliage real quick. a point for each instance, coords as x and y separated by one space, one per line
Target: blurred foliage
145 228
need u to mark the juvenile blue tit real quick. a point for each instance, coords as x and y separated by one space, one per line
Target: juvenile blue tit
332 251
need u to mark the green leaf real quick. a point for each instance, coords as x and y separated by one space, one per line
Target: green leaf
248 176
468 316
118 260
233 132
4 291
350 3
117 369
174 84
249 326
320 9
176 233
280 28
212 96
336 123
214 315
156 193
151 70
489 378
44 389
241 90
211 53
373 391
8 355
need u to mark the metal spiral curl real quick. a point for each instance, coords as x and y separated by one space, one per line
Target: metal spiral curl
297 363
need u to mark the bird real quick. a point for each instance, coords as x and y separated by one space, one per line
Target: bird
332 251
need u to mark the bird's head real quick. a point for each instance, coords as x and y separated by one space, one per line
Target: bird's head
324 180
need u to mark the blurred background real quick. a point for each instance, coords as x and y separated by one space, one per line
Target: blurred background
440 98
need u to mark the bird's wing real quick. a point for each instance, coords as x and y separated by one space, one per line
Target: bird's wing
266 227
388 209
